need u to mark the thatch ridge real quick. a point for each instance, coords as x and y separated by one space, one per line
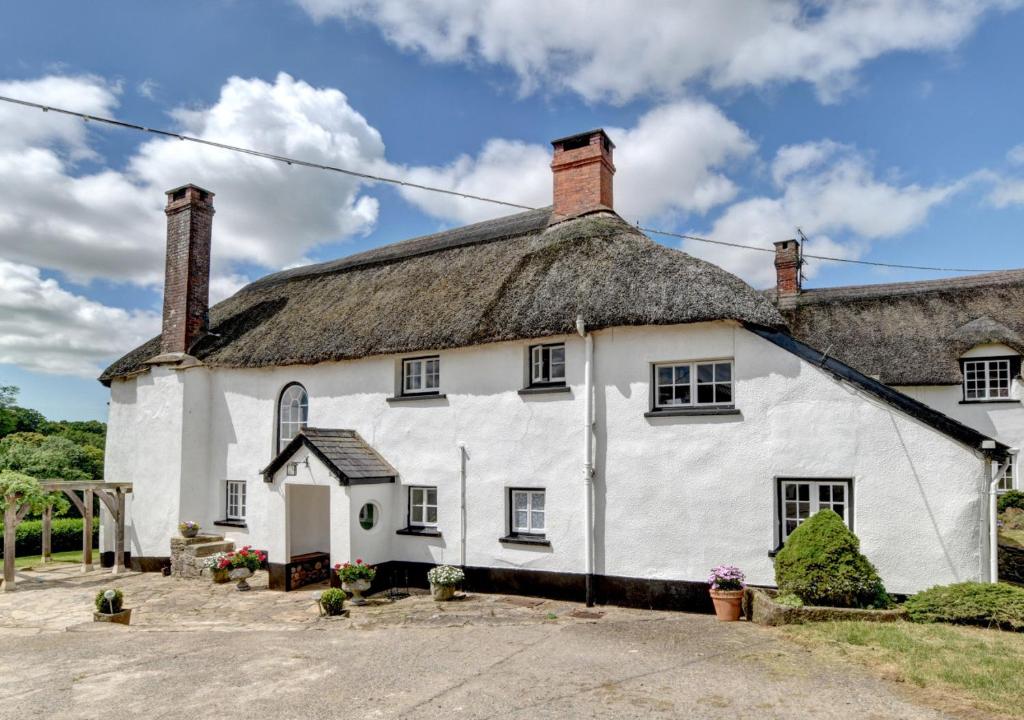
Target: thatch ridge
912 333
468 286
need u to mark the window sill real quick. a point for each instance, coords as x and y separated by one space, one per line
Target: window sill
412 398
525 540
692 412
231 523
419 531
544 389
989 402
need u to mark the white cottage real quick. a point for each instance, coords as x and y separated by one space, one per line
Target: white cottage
550 400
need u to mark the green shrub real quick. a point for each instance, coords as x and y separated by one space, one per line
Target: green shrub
333 601
1011 499
110 606
821 564
790 600
970 603
65 534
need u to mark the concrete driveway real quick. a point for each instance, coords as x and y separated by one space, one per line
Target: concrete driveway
196 650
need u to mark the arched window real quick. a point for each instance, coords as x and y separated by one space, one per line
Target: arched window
292 413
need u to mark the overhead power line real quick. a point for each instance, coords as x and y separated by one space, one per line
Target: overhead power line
427 188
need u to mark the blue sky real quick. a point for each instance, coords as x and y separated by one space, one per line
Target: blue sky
887 131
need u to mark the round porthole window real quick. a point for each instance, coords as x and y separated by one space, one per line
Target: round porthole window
368 516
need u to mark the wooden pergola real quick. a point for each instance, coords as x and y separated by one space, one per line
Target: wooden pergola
111 494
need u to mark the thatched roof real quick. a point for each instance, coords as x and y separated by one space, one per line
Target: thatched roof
912 333
349 458
507 279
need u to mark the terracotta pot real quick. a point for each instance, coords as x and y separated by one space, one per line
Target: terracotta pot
357 588
728 604
442 592
124 617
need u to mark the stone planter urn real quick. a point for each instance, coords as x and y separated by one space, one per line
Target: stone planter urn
357 588
442 592
241 574
124 617
728 604
189 532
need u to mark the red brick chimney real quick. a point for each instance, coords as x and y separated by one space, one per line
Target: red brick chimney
582 168
787 268
187 281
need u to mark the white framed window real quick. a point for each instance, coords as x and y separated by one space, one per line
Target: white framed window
422 507
235 502
695 384
292 413
800 499
528 515
987 379
421 375
1006 479
547 364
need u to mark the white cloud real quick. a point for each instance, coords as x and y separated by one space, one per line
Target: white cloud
1016 155
670 161
621 49
832 193
48 329
147 88
110 223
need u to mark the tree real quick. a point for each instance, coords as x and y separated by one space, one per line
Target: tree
20 494
8 393
50 457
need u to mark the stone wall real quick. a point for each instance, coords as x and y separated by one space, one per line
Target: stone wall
189 555
1011 563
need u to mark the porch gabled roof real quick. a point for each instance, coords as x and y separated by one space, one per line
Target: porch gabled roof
344 452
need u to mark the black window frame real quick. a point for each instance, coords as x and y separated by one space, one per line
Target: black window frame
227 500
512 533
408 509
277 414
693 405
780 516
1014 364
402 392
546 362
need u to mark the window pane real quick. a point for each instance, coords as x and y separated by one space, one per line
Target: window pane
682 374
803 510
557 370
838 508
804 492
723 371
537 520
519 499
791 509
431 514
839 493
705 393
558 354
791 526
665 395
664 376
521 518
723 393
790 492
417 496
682 395
538 500
417 513
825 493
705 373
432 496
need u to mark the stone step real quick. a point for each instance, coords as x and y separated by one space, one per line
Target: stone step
207 549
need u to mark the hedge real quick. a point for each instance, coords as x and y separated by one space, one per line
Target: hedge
970 603
65 534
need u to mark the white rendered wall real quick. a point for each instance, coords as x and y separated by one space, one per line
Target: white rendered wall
674 496
309 519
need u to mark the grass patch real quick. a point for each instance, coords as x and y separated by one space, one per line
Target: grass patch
982 668
72 556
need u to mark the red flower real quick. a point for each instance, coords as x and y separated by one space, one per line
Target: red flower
359 561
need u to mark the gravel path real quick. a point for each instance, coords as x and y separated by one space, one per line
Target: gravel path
486 656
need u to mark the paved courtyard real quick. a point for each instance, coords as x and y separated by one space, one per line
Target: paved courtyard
198 650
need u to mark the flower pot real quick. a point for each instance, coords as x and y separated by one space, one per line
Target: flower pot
442 592
241 574
728 604
124 617
190 532
220 575
357 588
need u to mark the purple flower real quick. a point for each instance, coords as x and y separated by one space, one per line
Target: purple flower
726 577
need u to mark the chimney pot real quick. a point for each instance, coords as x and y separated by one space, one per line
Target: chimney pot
582 171
187 278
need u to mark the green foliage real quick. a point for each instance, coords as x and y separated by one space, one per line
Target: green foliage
970 603
23 489
821 564
333 601
50 457
1011 499
789 600
109 607
8 420
65 534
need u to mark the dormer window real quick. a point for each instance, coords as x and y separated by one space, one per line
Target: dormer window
421 376
988 379
547 364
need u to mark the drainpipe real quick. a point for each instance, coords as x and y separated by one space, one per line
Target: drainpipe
993 516
588 453
462 503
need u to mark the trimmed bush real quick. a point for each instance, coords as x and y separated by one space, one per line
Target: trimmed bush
333 601
821 564
110 607
970 603
1011 499
65 534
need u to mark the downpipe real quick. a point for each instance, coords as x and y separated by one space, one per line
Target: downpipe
588 454
993 516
